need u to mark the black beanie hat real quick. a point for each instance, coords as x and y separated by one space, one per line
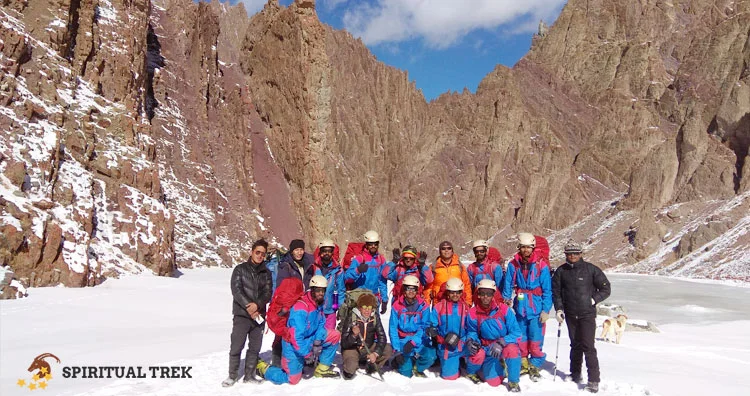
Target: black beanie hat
296 243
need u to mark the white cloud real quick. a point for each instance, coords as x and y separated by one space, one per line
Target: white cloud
330 4
441 23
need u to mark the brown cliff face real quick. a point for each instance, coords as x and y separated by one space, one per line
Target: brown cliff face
179 134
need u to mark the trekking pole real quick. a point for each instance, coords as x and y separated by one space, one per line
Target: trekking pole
557 350
367 350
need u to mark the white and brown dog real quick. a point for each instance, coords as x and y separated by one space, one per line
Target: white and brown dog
612 328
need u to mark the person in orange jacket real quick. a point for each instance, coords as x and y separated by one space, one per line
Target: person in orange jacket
447 266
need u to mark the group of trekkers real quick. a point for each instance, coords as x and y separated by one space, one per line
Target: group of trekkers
488 317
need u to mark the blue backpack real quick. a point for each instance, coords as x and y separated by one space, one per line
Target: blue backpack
273 257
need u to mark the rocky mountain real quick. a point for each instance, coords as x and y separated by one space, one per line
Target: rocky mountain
148 135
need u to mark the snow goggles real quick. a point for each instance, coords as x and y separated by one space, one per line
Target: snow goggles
410 288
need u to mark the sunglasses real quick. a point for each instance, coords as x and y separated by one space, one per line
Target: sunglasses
329 251
411 288
366 307
454 291
477 251
318 289
446 248
573 254
372 243
409 259
486 293
259 252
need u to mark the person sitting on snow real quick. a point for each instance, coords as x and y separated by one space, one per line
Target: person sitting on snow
312 341
531 282
448 319
364 327
410 316
493 335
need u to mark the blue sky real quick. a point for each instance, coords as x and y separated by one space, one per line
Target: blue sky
445 45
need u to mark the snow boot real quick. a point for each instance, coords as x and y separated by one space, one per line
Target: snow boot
260 369
513 387
524 366
592 387
348 376
418 374
474 378
228 382
323 371
534 373
576 378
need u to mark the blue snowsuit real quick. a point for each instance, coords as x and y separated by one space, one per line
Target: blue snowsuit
407 324
533 288
372 279
450 317
306 325
397 272
487 326
334 274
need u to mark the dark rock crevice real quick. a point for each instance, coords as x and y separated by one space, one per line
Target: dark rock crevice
154 60
72 30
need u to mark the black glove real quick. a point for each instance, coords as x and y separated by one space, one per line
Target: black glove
362 268
496 349
422 259
383 307
397 361
396 255
431 332
451 340
317 349
408 347
472 346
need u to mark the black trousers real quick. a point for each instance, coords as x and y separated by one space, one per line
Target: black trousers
582 332
242 328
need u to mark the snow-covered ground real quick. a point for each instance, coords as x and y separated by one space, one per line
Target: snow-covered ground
147 321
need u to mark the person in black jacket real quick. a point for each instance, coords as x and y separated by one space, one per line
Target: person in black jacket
296 263
252 286
364 324
577 287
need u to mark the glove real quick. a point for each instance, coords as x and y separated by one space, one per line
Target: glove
543 317
422 259
396 255
593 302
408 347
560 316
317 349
397 361
383 307
472 346
451 340
431 332
496 349
508 302
362 268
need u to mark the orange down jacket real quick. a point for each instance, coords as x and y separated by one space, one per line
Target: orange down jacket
444 272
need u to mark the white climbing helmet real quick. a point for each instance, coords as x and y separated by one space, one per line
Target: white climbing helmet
454 284
487 284
372 236
526 239
318 281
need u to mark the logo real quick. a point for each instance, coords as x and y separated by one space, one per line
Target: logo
41 373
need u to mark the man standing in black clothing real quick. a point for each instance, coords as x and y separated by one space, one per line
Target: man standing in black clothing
577 287
252 286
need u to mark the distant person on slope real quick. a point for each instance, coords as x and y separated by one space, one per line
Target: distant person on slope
298 264
447 266
366 270
407 262
327 267
576 289
252 286
311 342
530 280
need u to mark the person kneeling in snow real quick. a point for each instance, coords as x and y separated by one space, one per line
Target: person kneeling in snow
493 334
449 332
363 327
409 319
311 341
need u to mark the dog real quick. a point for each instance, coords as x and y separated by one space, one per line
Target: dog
612 328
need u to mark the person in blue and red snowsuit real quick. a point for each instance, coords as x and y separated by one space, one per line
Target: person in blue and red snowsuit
309 340
327 266
493 335
407 262
366 270
448 319
530 281
484 268
410 316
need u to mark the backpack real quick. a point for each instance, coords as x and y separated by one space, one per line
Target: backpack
273 258
336 254
350 302
541 251
289 292
352 249
494 256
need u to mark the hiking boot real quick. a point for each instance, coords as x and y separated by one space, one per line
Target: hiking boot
323 371
474 378
418 374
370 369
348 376
513 387
576 378
250 378
524 366
534 373
592 387
228 382
260 369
